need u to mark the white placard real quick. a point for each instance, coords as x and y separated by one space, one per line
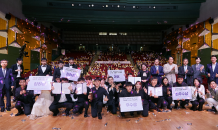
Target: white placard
155 91
39 83
128 104
37 91
65 88
81 88
57 88
118 75
70 73
133 80
73 86
181 92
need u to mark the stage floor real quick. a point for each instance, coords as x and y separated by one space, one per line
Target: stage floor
162 121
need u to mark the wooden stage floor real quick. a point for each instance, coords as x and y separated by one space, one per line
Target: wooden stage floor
177 118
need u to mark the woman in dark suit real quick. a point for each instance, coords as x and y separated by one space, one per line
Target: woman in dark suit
145 76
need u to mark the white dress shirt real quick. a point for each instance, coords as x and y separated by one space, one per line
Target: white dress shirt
185 68
213 66
43 68
18 73
63 98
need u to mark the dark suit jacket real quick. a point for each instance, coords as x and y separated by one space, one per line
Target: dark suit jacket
7 80
14 67
140 74
74 66
212 93
189 75
28 98
47 71
198 73
212 74
58 96
154 74
57 73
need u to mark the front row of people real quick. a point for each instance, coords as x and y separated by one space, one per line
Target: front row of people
96 95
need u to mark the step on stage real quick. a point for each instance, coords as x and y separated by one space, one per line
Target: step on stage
184 119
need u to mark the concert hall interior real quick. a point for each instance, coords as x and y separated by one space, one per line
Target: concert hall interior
108 64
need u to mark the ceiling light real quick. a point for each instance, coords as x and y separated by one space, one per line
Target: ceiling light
102 6
96 44
106 5
89 5
112 5
118 6
133 7
72 4
124 6
79 4
92 5
80 44
154 7
137 7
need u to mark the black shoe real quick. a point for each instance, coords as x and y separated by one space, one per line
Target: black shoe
55 114
132 114
86 115
8 109
14 100
122 114
176 107
19 113
183 107
99 116
170 108
67 113
158 110
2 109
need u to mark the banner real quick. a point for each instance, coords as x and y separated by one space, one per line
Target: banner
112 62
128 104
70 73
181 93
118 75
39 83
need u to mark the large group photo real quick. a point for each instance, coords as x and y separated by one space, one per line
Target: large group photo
108 72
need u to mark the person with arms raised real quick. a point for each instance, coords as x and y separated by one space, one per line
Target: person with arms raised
96 98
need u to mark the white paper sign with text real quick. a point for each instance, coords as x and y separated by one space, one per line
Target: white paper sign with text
181 93
39 83
118 75
128 104
70 73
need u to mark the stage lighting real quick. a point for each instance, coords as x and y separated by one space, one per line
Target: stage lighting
92 5
79 4
106 5
154 7
72 4
133 7
102 6
124 6
137 7
118 6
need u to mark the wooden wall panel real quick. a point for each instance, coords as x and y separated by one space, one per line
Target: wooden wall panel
208 37
3 24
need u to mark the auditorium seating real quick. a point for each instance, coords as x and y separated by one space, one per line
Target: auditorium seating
112 56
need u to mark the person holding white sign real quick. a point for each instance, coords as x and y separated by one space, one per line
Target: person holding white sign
128 92
144 96
154 98
96 98
198 93
180 83
82 100
145 75
41 106
62 100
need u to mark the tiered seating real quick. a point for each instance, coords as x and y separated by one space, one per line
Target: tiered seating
148 58
100 70
111 56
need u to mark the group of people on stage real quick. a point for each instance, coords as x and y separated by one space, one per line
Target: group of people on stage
106 92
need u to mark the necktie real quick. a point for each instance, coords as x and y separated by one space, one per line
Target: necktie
4 72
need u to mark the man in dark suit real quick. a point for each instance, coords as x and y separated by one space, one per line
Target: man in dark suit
24 99
17 70
212 70
198 69
6 83
57 71
61 100
71 63
157 71
187 72
44 69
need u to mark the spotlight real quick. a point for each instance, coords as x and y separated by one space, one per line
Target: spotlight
133 7
124 6
137 7
154 7
112 6
89 5
106 5
118 6
92 5
79 4
102 6
72 4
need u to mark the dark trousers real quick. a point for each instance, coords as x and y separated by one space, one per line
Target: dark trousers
145 110
199 102
182 103
112 107
79 107
168 101
27 107
16 85
160 102
6 91
185 80
54 106
145 84
96 108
